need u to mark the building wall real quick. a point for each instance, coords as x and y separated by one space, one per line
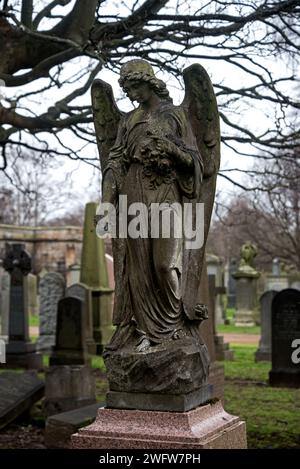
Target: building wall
53 248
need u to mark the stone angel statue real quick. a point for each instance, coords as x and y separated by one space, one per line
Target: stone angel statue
169 155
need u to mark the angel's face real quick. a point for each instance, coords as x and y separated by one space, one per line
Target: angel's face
139 91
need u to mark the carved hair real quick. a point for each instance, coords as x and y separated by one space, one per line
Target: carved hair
158 86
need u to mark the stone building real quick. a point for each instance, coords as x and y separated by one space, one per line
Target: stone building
54 248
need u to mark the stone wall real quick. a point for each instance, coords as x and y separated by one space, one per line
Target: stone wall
53 248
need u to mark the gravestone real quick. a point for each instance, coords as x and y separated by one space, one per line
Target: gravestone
20 352
70 346
231 285
69 380
264 351
18 393
84 293
214 267
4 304
246 287
278 280
51 289
222 349
285 370
31 286
94 275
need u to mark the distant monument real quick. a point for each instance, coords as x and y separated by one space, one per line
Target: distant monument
246 287
20 351
157 362
94 277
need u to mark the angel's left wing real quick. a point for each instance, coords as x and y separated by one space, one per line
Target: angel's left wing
107 116
201 110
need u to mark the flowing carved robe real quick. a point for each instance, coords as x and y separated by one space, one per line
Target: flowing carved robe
149 271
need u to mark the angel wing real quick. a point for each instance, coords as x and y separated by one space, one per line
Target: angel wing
201 109
106 118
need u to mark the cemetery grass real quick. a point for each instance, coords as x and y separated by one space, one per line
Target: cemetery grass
271 414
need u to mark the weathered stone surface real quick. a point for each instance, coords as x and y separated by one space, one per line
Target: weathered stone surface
20 352
93 274
175 368
161 402
60 427
18 392
207 427
4 303
285 329
84 293
68 387
264 351
51 289
70 344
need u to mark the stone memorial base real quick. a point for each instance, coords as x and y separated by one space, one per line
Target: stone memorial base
68 387
22 355
161 402
263 356
206 427
284 379
223 351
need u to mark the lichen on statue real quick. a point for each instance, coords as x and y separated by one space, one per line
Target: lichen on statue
156 158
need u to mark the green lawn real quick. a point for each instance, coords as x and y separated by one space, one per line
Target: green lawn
34 321
232 329
272 415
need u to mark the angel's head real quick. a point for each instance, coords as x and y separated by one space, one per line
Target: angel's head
138 80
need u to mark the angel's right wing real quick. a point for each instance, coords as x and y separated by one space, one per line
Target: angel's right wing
107 116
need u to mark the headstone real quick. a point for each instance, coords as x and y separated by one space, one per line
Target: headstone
264 351
276 266
81 291
285 370
246 287
20 352
94 274
70 382
18 392
214 267
51 290
4 304
221 348
231 285
31 286
70 343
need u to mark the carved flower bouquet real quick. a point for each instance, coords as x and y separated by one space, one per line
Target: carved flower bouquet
157 164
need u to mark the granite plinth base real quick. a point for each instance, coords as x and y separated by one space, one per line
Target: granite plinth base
161 402
207 427
284 379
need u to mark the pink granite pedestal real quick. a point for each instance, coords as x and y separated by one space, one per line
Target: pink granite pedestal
206 427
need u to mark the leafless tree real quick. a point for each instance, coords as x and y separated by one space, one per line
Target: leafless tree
268 216
61 45
31 194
